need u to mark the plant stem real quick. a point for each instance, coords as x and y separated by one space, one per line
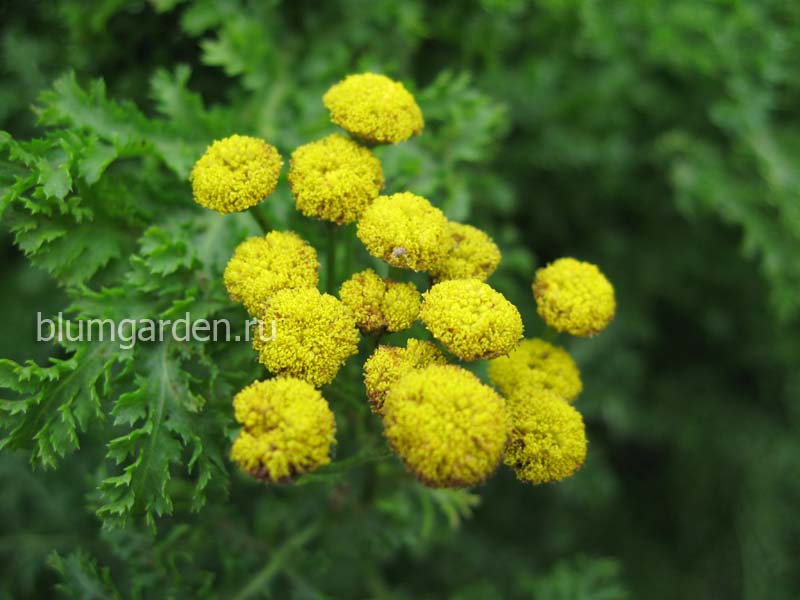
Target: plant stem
260 218
331 283
348 249
396 274
275 564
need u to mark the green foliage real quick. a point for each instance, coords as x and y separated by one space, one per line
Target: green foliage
55 402
583 579
657 139
82 578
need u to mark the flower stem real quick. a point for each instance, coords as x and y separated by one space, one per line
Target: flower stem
348 249
396 274
260 218
260 582
331 268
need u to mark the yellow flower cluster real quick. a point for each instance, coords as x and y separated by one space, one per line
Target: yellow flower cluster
262 266
406 231
314 334
334 179
574 296
380 304
473 255
235 174
374 108
471 319
288 429
537 364
547 437
448 427
389 364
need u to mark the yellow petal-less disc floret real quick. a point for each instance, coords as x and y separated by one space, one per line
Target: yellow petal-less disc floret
471 319
448 427
474 255
380 304
334 179
235 174
314 334
261 266
374 108
288 429
548 437
389 364
574 296
406 231
537 363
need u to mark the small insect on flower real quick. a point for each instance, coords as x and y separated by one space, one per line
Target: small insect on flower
389 364
374 108
474 255
406 231
261 266
448 427
334 179
314 334
235 174
537 363
288 429
548 437
574 296
380 304
471 319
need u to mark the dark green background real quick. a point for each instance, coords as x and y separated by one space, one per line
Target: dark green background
659 139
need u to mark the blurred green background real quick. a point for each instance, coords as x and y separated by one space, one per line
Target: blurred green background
658 139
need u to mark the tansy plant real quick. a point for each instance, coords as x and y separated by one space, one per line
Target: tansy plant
387 337
450 428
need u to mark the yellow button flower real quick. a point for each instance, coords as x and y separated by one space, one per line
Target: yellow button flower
548 438
261 266
389 364
380 304
374 108
474 255
537 363
235 174
288 429
448 427
406 231
574 296
334 179
314 334
471 319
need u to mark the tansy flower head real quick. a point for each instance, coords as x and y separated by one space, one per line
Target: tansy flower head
536 363
574 296
261 266
389 364
380 304
448 427
314 334
474 255
548 438
374 108
406 231
235 173
334 179
471 319
288 429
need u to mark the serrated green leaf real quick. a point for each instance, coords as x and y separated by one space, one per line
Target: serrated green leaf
164 412
50 406
94 160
